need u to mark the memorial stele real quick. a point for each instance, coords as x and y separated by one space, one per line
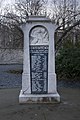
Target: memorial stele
39 77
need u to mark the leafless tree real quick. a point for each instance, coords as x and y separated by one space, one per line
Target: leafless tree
22 9
62 12
13 16
26 8
66 13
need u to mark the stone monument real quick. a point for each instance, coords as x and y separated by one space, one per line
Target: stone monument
39 77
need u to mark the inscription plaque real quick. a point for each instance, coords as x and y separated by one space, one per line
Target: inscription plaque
39 69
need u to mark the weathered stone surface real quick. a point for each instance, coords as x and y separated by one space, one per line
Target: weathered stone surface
43 98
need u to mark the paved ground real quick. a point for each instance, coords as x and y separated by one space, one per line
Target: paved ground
10 109
12 80
68 109
7 79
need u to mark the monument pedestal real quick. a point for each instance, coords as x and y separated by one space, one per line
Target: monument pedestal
39 98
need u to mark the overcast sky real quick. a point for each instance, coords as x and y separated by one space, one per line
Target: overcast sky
10 1
4 2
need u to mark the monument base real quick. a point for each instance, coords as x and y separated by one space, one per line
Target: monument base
39 98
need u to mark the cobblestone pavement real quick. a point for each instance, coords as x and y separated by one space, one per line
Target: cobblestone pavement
7 79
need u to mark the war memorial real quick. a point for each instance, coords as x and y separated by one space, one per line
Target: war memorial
39 78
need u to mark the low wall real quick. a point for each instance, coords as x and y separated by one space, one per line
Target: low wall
11 56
